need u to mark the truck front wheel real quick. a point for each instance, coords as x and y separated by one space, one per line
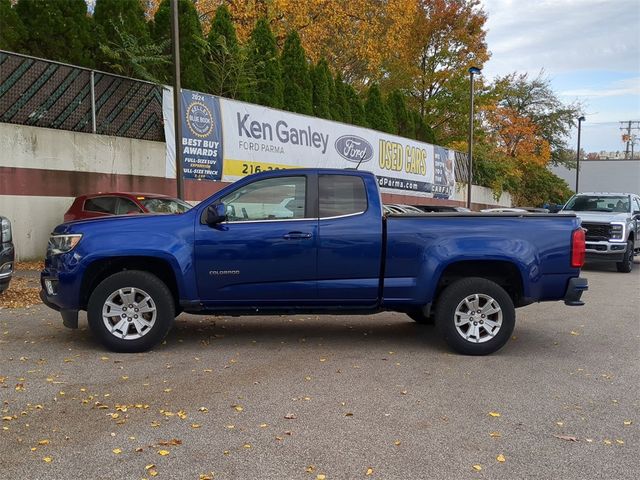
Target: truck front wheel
626 265
475 316
131 311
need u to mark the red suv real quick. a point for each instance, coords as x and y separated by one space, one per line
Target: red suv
122 203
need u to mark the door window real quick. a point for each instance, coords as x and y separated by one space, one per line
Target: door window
341 195
282 198
125 206
101 205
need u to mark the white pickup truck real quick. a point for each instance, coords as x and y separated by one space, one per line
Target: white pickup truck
612 221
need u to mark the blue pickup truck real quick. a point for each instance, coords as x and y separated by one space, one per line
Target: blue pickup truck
310 241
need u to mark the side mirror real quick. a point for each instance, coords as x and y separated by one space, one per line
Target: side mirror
216 214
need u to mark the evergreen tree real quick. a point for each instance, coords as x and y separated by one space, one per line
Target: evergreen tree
376 111
422 131
298 90
226 64
12 31
356 109
58 30
320 76
400 117
263 57
340 107
121 25
193 46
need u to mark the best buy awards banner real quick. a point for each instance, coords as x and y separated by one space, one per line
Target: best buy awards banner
257 138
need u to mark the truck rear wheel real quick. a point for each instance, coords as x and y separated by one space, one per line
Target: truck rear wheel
131 311
626 265
475 316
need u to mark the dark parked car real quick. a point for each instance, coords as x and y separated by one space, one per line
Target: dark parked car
122 203
6 253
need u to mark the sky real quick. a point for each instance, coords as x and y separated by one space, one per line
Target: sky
589 49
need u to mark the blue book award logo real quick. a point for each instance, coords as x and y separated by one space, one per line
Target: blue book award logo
201 136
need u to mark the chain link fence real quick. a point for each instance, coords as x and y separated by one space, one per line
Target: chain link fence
49 94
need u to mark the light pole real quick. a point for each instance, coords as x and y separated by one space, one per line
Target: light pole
177 98
472 71
580 120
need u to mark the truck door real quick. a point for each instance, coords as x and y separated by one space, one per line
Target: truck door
265 253
350 241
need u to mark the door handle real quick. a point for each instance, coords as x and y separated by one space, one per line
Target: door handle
296 236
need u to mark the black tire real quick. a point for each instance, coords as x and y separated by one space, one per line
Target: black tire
454 295
419 317
132 282
626 265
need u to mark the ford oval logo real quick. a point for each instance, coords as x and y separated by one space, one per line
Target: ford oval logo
354 149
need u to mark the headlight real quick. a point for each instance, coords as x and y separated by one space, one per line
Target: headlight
63 243
617 231
5 230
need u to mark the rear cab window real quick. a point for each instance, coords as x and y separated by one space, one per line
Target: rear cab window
341 195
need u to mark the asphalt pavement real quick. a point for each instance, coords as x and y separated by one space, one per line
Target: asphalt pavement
307 397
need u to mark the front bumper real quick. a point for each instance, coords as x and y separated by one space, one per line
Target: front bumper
577 286
69 317
604 251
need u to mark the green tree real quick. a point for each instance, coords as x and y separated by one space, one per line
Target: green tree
298 90
421 131
376 111
320 78
126 15
127 55
401 119
263 56
58 30
12 31
228 67
356 109
193 46
340 110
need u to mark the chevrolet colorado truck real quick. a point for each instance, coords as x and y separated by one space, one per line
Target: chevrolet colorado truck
612 223
310 241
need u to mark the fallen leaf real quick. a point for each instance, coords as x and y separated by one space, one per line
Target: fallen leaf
263 425
163 452
150 466
477 468
237 408
397 442
43 442
495 434
47 459
620 442
321 476
607 442
172 442
204 476
560 424
247 445
574 333
195 425
369 472
290 416
117 451
627 423
568 438
494 414
500 458
310 468
203 409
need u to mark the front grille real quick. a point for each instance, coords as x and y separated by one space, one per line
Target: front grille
597 231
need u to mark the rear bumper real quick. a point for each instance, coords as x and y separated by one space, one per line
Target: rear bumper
574 291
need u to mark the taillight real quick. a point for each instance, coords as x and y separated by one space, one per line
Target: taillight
577 248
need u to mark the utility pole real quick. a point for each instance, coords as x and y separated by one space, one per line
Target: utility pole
628 135
580 120
177 98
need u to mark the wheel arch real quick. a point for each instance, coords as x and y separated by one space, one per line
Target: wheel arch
504 273
100 269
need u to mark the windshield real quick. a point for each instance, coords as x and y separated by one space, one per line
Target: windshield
165 205
594 203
